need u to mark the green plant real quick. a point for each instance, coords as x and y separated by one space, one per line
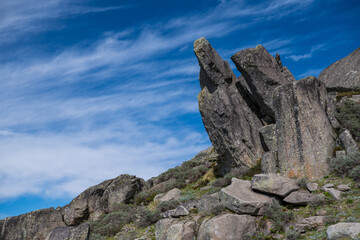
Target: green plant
167 205
346 165
349 117
292 234
278 215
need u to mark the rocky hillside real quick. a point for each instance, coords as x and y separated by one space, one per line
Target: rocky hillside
284 164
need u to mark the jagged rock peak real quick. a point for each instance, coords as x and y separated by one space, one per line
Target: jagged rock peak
229 121
343 75
263 73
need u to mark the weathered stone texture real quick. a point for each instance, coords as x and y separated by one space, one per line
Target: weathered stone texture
274 184
80 232
231 125
305 136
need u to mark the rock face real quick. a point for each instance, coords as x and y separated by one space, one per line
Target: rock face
101 198
305 136
230 123
262 73
228 226
343 230
269 162
274 184
35 225
80 232
239 198
343 75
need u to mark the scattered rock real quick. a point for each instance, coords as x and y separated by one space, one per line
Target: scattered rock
312 186
303 197
326 186
348 142
170 195
343 187
343 75
305 136
227 226
184 230
262 73
230 123
80 232
321 212
309 223
268 136
274 184
180 211
162 227
343 230
239 198
334 193
269 162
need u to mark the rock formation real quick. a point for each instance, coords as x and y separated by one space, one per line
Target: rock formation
343 75
231 124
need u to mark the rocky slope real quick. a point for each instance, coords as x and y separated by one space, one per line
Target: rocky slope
267 175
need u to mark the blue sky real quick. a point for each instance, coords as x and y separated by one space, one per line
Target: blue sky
93 89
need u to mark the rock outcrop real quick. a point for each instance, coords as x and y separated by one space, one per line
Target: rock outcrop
262 73
305 136
80 232
343 75
231 124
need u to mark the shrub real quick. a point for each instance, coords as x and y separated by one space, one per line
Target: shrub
349 117
278 215
346 165
221 182
146 217
167 205
292 234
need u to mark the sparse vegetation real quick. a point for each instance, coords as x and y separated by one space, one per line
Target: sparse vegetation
346 165
278 215
349 117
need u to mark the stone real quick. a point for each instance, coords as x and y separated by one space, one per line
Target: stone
269 162
208 202
33 225
343 187
328 185
321 212
80 232
268 136
343 230
162 227
262 73
309 223
331 109
286 72
101 198
180 211
312 186
303 197
239 198
173 194
348 142
274 184
343 75
305 135
229 121
184 230
227 226
336 194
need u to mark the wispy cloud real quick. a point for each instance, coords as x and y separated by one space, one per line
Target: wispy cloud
306 55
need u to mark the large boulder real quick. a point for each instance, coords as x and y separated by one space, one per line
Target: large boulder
227 226
162 227
239 198
343 75
303 197
274 184
230 123
184 230
80 232
102 198
35 225
343 231
305 136
262 73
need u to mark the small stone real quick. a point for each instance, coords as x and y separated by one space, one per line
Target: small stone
321 212
326 186
343 187
312 186
334 193
343 230
309 223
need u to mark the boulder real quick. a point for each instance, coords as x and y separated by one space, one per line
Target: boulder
348 142
312 186
343 230
262 73
328 185
268 136
80 232
180 211
269 162
35 225
208 202
239 198
102 198
343 75
173 194
305 136
184 230
229 121
303 197
162 227
336 194
309 223
343 187
227 226
274 184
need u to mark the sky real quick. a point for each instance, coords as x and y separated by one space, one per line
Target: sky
93 89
